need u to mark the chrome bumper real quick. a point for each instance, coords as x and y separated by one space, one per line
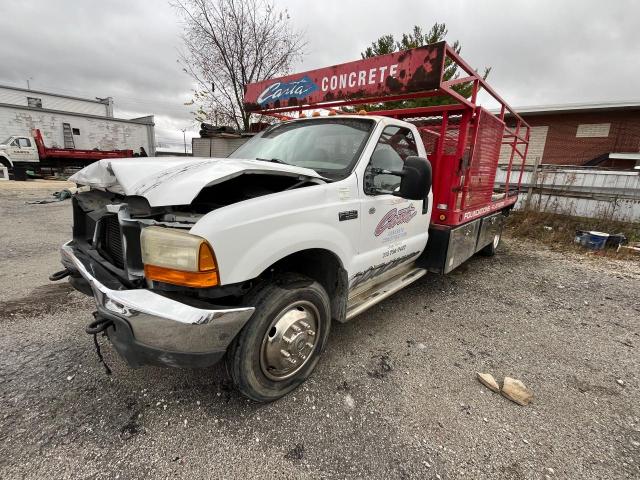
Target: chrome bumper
153 329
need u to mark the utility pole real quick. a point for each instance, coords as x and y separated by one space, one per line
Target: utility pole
184 139
533 180
28 84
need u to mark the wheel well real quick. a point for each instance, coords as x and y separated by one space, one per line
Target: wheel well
4 161
325 268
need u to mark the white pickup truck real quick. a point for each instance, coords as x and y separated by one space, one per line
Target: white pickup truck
18 149
254 255
314 220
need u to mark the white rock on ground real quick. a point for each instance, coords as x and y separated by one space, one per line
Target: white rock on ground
349 401
516 391
488 381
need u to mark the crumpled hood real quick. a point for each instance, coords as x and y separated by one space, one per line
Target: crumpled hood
165 181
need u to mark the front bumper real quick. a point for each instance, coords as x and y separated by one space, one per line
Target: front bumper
149 328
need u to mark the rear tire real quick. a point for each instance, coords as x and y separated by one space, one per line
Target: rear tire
490 250
281 343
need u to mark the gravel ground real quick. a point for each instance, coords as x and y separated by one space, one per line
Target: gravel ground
395 395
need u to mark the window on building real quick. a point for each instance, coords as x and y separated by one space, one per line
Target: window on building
76 131
24 143
593 130
34 102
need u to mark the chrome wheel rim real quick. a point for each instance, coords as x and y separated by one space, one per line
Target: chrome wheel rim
290 341
496 241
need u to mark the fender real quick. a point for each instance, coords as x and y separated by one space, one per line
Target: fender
278 245
5 161
249 236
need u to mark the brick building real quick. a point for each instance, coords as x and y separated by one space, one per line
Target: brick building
603 134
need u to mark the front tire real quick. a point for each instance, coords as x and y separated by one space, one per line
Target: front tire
281 343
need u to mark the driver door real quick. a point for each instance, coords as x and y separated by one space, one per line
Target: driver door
394 230
21 149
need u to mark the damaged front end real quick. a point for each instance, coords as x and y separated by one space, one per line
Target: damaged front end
146 323
150 321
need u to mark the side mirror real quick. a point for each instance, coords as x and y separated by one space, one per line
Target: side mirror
415 180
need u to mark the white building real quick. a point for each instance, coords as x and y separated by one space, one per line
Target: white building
91 121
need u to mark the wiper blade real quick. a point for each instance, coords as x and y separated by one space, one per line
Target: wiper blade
273 160
277 160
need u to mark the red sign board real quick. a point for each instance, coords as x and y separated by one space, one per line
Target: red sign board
372 79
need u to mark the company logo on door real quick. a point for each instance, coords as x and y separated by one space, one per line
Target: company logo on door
285 90
395 217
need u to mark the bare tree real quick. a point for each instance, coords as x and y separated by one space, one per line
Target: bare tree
229 44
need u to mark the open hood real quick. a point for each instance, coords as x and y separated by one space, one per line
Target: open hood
166 181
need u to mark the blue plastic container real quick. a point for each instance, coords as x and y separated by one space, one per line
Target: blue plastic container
596 240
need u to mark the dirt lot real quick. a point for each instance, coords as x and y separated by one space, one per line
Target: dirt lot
395 395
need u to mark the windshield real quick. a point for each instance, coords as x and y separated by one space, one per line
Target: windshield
330 146
6 142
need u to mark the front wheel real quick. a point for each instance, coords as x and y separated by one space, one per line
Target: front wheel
281 343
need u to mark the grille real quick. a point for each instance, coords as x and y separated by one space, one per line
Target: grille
111 240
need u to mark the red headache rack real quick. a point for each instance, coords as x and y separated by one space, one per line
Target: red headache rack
464 141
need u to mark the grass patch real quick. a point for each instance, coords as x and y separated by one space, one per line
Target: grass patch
558 231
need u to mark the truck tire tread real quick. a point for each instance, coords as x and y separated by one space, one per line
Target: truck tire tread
268 298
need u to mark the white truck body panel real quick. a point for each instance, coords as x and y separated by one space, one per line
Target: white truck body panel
254 234
387 233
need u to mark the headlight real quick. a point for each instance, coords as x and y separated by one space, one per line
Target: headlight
176 257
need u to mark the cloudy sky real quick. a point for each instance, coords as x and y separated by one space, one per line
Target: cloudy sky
541 51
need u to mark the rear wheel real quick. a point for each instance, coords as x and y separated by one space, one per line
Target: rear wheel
490 250
281 343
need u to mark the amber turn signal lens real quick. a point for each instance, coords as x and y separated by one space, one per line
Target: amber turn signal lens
178 277
206 258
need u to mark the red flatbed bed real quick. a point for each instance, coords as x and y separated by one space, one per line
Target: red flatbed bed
86 156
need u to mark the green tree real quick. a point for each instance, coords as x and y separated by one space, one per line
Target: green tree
417 38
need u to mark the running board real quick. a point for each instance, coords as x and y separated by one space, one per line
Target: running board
368 299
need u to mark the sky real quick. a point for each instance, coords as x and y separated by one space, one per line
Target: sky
541 51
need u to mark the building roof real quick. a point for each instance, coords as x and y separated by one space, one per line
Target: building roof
41 92
147 120
576 107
